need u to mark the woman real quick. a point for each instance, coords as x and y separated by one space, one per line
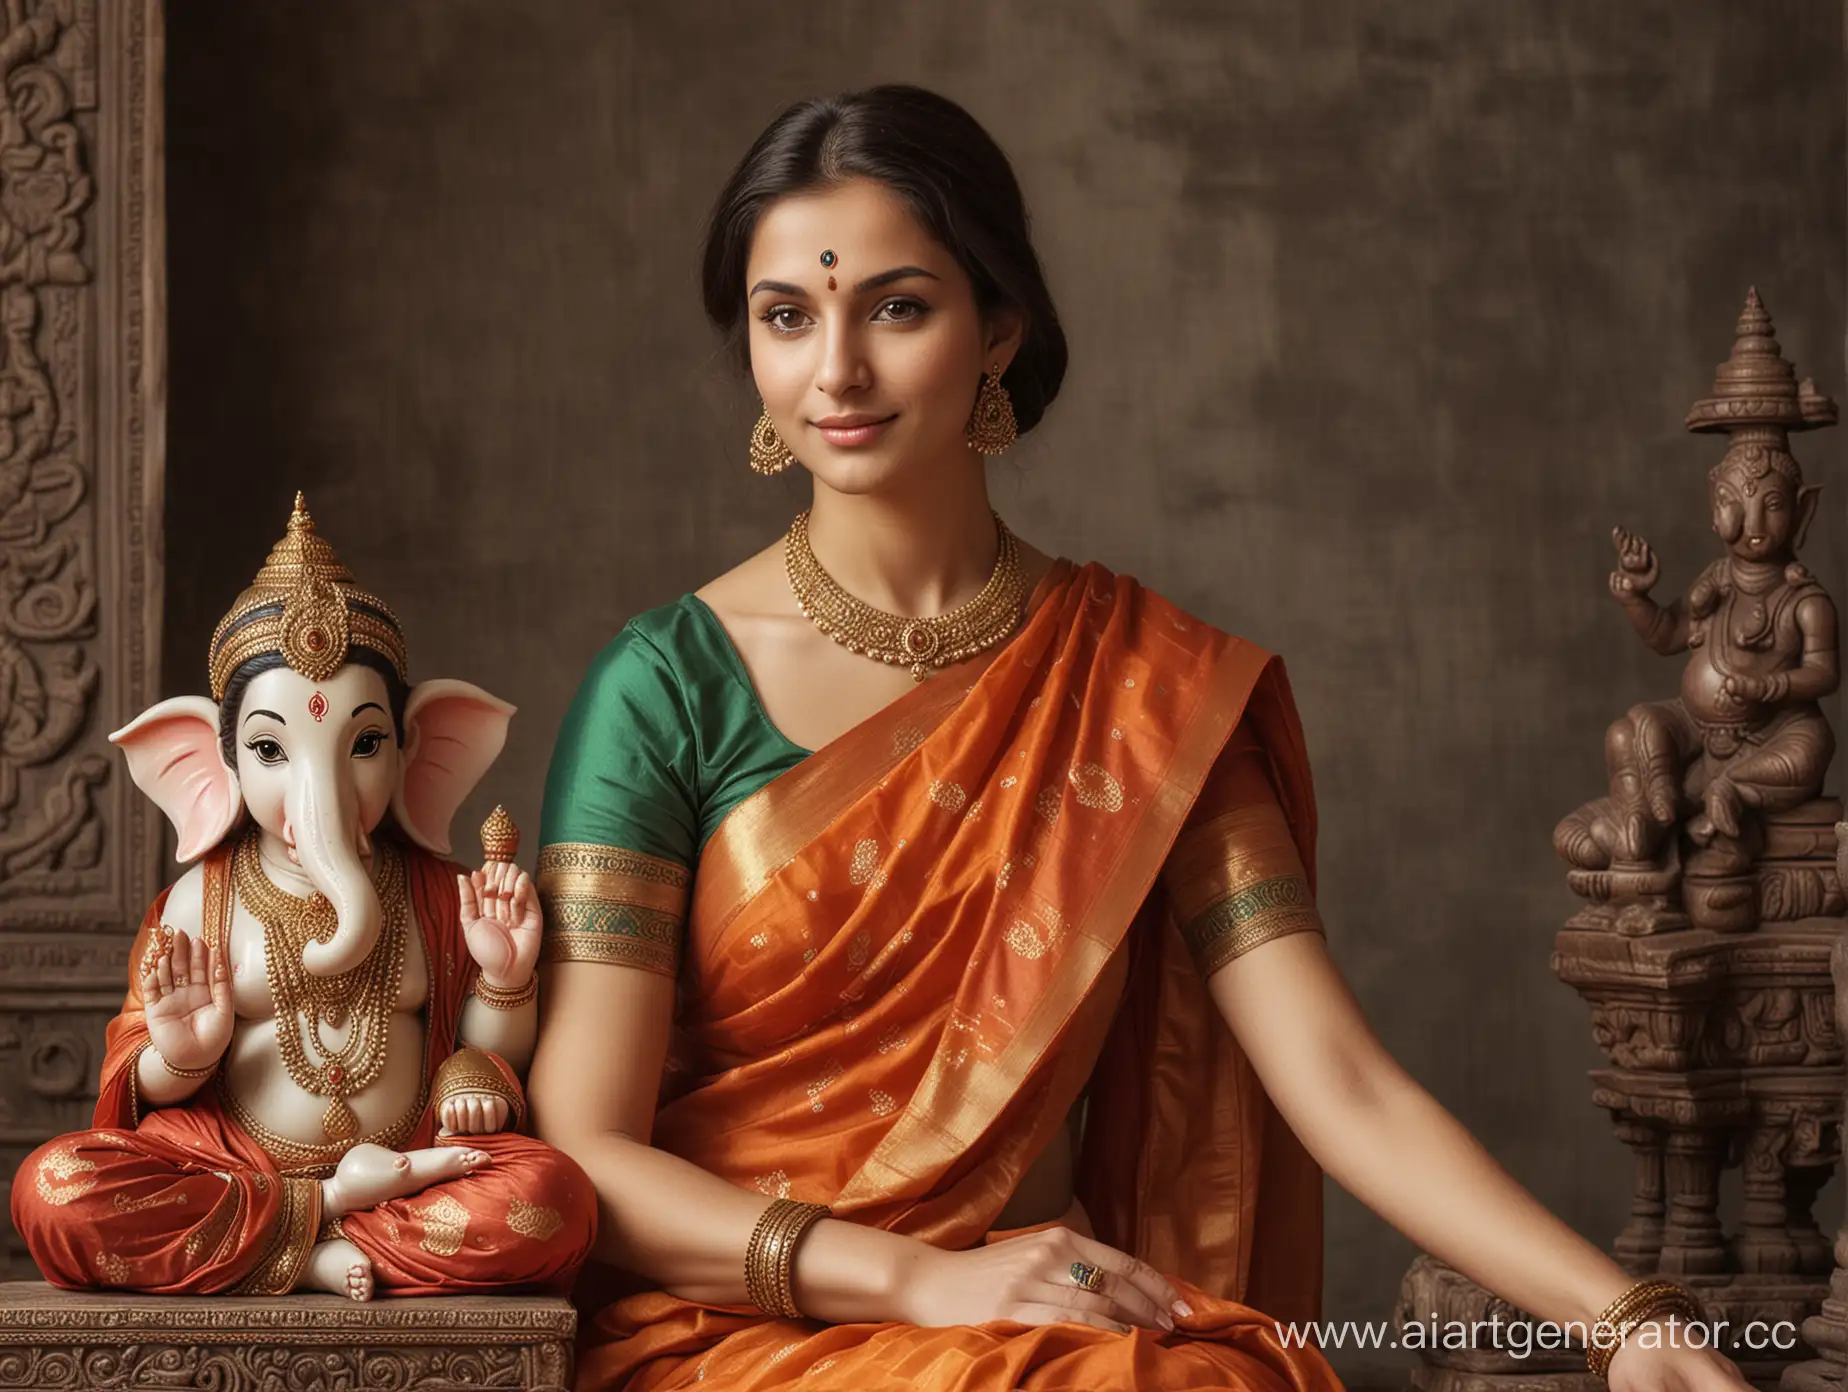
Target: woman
945 956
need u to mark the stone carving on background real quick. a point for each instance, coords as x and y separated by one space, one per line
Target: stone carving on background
82 382
47 574
1713 906
1827 1330
64 1341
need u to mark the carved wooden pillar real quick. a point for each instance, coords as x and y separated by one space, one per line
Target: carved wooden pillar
1692 1241
1640 1242
82 430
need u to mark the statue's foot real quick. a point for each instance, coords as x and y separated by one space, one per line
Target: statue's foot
1723 807
370 1174
339 1268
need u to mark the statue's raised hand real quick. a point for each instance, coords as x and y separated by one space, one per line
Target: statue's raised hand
186 989
1637 568
501 922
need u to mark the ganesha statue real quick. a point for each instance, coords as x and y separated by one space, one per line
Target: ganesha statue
1714 816
314 1081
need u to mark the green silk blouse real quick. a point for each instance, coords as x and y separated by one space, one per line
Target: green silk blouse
664 737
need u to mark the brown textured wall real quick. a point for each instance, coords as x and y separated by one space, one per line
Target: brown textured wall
1382 314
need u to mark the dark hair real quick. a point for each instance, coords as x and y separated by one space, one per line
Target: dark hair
229 708
950 173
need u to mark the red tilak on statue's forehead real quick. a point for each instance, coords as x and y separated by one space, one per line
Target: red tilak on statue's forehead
317 707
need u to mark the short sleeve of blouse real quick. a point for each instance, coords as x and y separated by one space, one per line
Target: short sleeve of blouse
618 833
1234 876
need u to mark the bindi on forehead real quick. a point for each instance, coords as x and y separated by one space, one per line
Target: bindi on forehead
828 260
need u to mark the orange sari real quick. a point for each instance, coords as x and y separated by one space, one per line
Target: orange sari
909 956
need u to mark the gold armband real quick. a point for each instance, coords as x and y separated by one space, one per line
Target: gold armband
770 1258
1645 1301
1236 882
607 904
469 1070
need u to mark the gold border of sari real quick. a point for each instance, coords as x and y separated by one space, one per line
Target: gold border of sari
921 1139
769 828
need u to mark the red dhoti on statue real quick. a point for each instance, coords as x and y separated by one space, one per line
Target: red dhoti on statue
186 1201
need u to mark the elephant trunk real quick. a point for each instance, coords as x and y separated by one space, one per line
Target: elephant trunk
325 821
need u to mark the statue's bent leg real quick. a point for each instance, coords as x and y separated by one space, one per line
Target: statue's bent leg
110 1208
1645 752
525 1220
1786 769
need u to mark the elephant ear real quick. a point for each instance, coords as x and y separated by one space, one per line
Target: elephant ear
173 757
453 732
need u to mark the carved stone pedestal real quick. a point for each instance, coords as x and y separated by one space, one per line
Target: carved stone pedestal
53 1339
1506 1352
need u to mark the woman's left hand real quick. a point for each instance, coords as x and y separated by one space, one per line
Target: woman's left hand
501 923
1673 1364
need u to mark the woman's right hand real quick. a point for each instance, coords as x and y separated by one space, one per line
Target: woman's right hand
1028 1280
187 992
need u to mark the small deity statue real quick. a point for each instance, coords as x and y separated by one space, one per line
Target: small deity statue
1696 775
313 1083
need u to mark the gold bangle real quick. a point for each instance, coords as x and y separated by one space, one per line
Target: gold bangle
505 997
770 1256
179 1072
1646 1300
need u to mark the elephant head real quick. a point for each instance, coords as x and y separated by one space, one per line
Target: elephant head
315 733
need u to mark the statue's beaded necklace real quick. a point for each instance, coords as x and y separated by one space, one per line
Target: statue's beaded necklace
941 640
363 999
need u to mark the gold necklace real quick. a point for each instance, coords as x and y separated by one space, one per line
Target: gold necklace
364 999
942 640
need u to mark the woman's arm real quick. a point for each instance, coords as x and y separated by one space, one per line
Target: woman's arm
1389 1142
595 1077
593 1089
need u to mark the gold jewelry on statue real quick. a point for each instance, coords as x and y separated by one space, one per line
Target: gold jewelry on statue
769 455
470 1070
362 1000
318 1158
922 644
160 944
304 605
179 1072
500 838
770 1257
991 424
506 997
1647 1300
1087 1277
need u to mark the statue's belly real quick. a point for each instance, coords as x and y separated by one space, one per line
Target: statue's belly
255 1074
1701 692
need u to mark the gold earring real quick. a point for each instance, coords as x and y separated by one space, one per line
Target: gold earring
769 455
991 425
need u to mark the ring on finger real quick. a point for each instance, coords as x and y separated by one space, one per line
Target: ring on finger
1087 1276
